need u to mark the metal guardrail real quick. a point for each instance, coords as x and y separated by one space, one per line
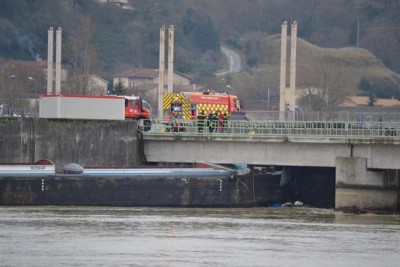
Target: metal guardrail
298 129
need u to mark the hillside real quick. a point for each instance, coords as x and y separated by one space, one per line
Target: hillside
119 38
123 37
341 69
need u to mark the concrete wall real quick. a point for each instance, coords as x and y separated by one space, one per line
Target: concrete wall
85 142
382 156
16 142
366 188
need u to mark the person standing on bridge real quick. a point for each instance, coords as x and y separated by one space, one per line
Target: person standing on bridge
221 118
225 122
201 121
210 121
214 122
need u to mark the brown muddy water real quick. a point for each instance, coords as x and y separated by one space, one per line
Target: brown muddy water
113 236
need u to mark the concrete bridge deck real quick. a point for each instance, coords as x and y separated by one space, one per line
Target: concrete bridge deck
276 143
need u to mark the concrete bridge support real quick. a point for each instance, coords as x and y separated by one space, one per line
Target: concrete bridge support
356 185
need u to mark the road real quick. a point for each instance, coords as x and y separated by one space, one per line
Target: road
234 62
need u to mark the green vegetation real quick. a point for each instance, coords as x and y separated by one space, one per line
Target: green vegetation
118 89
123 38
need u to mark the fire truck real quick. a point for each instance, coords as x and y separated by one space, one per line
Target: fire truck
134 108
187 105
100 107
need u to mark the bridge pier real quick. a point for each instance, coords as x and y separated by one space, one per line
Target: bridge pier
370 189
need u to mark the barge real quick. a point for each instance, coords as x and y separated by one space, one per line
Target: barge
196 185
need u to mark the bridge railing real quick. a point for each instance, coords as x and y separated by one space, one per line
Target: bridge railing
304 129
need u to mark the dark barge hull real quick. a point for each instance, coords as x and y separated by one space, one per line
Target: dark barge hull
125 191
314 187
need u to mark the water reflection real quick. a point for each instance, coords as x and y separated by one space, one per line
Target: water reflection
111 236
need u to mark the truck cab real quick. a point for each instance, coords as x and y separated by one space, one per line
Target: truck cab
134 108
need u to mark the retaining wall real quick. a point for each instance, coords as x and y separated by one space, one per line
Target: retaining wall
85 142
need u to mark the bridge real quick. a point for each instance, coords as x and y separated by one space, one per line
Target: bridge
293 143
366 156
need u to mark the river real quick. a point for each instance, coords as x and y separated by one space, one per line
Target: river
131 236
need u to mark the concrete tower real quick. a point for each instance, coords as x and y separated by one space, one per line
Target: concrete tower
171 59
161 70
58 60
293 41
282 86
50 58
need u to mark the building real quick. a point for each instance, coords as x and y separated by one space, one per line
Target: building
359 101
134 77
97 85
124 4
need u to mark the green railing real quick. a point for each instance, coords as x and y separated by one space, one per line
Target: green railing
300 129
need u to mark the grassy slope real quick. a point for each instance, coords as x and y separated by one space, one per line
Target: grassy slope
351 64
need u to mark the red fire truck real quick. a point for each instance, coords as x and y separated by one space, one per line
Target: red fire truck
188 104
134 108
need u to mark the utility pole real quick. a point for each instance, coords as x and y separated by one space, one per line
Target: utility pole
358 32
35 81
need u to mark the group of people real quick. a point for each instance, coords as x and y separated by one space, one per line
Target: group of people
216 122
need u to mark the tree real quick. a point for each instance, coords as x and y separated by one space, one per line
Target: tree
201 29
118 88
81 57
371 100
331 88
12 88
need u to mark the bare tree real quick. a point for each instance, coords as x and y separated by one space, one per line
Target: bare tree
332 86
11 89
81 57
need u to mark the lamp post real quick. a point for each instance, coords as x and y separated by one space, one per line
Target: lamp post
13 78
228 88
299 108
33 79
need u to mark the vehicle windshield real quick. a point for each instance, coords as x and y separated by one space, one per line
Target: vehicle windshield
131 103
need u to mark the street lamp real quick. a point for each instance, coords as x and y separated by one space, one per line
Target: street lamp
33 79
228 88
13 77
298 107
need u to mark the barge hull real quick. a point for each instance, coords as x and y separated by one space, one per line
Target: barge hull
124 191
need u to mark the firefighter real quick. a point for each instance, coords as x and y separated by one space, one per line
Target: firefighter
201 121
209 121
221 118
225 122
173 122
214 122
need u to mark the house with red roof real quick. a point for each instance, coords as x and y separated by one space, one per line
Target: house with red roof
357 101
